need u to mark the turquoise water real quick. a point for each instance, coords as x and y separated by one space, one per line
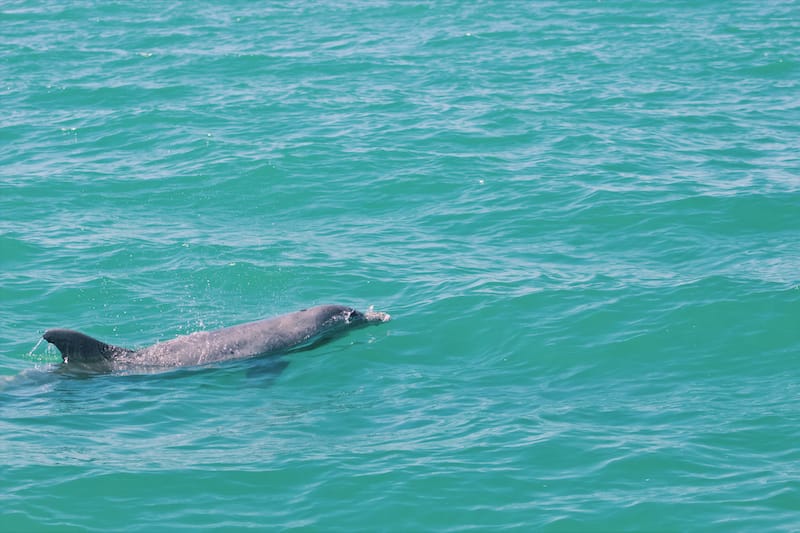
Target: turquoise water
584 218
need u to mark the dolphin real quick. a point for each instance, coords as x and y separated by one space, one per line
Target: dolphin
272 336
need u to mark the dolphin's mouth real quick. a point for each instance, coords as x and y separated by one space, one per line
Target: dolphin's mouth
353 316
376 317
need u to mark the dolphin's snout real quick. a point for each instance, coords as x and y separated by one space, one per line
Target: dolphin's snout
375 317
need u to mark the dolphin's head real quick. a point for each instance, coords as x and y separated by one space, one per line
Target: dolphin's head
329 321
341 315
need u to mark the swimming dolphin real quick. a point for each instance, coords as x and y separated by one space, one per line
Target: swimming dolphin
271 336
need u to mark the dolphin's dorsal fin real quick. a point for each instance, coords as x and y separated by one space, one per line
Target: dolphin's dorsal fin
80 348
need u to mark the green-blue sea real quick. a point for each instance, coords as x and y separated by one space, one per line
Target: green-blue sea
582 215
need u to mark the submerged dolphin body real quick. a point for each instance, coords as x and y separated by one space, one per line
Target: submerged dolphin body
271 336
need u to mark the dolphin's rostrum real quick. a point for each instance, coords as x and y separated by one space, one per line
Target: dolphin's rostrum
271 336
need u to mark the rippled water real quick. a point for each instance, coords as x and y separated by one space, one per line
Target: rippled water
583 216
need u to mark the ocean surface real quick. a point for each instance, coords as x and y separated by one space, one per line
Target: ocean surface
583 217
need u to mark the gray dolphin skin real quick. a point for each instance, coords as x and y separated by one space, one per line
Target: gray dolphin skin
272 336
